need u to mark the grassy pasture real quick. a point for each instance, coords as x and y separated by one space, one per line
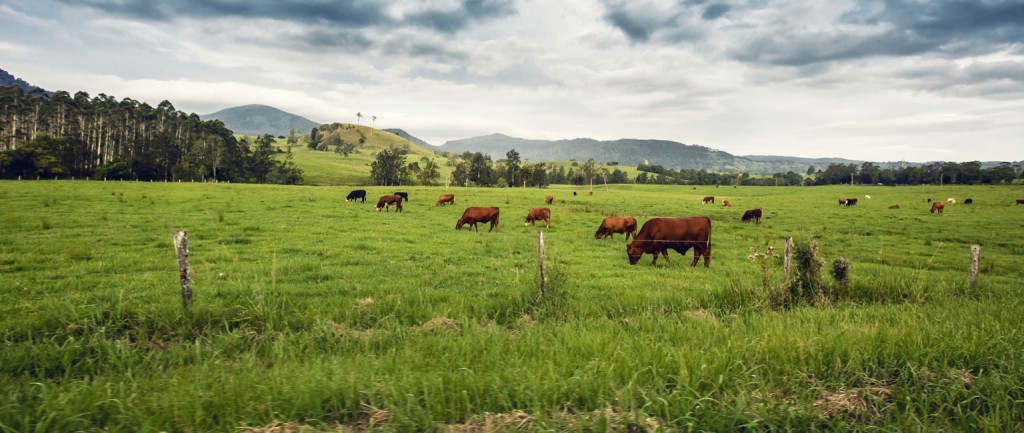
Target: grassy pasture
320 313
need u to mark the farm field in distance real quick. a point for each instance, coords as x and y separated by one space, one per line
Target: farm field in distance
313 313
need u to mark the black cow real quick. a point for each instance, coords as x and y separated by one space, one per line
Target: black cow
405 195
851 202
356 195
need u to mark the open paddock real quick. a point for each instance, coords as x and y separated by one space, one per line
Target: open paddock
321 313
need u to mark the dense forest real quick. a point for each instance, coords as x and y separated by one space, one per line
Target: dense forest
63 135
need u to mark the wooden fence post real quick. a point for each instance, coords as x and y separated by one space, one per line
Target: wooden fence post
540 264
787 259
181 248
975 259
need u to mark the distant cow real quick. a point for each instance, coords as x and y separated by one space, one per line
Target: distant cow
549 199
474 215
937 207
447 198
951 200
1020 201
574 193
929 199
726 203
404 195
895 206
356 195
658 235
752 214
386 201
851 202
842 202
539 214
611 225
708 199
969 201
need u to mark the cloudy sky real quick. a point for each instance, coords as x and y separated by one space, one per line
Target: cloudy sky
876 80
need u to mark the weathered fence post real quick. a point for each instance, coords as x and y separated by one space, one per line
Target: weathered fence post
787 259
975 259
540 264
181 247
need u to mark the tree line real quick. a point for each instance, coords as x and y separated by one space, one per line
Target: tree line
836 174
101 137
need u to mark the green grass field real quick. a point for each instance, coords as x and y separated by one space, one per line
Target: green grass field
312 313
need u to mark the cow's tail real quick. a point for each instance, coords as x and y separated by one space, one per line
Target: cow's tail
707 246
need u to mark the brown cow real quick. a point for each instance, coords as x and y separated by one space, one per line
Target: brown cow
707 199
474 215
680 234
895 206
937 206
539 214
386 201
752 214
611 225
842 202
726 203
447 198
549 199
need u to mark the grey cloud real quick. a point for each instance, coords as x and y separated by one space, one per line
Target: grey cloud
715 11
635 30
888 28
450 21
350 13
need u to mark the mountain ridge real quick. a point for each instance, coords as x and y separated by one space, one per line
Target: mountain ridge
258 119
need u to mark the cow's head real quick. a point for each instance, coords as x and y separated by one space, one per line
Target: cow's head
378 208
634 252
458 225
598 233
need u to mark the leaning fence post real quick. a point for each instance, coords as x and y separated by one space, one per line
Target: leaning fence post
540 264
181 248
787 259
975 258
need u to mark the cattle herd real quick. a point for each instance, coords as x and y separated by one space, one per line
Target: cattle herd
656 236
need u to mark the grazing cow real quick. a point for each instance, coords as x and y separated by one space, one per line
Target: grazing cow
851 202
574 193
895 206
404 195
951 200
446 198
752 214
474 215
611 225
726 203
842 202
658 235
929 199
937 207
549 199
386 201
969 201
539 214
1019 201
356 195
708 199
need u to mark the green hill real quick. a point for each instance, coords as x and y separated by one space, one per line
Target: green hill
260 119
326 167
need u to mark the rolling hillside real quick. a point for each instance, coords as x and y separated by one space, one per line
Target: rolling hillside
330 168
260 119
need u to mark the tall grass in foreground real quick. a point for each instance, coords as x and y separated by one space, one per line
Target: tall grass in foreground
318 313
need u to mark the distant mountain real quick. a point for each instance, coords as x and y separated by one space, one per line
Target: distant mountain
261 119
8 80
412 139
669 154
